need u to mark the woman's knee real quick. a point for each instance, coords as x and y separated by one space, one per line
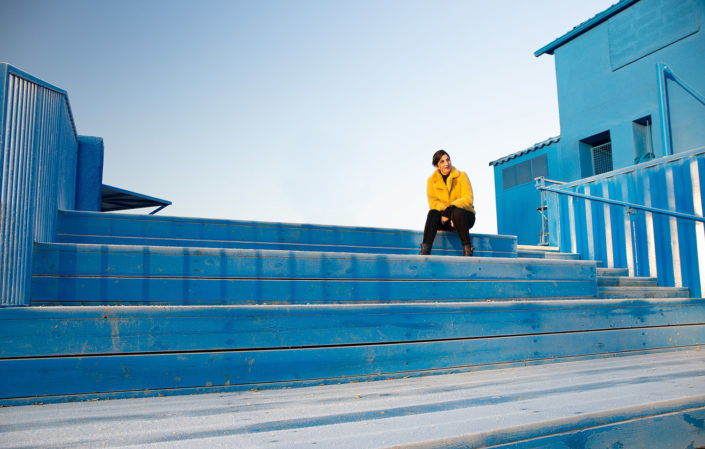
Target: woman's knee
458 215
433 215
463 216
470 219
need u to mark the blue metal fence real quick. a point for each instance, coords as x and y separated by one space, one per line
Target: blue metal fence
38 145
664 236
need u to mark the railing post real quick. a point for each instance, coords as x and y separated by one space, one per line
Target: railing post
699 227
549 202
664 114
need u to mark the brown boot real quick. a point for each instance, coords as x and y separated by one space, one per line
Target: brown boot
468 250
425 250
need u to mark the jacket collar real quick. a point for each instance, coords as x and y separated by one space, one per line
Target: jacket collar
453 174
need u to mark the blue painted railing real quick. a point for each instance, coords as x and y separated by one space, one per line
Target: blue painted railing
541 186
38 146
651 221
664 74
647 217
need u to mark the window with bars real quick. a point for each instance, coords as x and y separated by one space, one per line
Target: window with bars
643 146
524 172
602 158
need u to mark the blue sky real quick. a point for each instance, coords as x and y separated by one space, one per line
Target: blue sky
298 111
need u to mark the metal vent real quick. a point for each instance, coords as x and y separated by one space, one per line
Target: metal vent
602 158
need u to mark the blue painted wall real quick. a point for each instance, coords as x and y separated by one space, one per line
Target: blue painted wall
607 80
521 218
89 173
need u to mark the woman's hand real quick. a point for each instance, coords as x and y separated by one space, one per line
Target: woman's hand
446 215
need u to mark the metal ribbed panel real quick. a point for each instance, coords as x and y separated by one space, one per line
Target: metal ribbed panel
13 241
50 167
38 156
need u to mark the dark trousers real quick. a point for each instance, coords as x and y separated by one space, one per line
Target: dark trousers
462 219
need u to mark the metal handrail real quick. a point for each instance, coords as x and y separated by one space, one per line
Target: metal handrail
541 186
548 180
665 73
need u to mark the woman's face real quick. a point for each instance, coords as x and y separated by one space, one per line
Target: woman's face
444 165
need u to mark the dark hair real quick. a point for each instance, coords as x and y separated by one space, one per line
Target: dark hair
438 155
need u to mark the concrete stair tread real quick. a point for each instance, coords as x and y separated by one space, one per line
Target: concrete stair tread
612 271
92 227
547 405
643 288
626 281
83 353
207 328
642 292
120 274
531 251
143 320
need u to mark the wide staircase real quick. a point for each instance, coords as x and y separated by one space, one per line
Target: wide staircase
126 306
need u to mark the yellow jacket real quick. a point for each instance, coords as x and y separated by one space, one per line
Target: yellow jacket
456 191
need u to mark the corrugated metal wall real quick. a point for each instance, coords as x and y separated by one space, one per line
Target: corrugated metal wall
38 146
647 243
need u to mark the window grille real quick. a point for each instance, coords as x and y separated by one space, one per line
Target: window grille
539 167
509 177
524 172
602 158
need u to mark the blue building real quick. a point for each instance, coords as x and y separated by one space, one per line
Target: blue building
622 183
610 94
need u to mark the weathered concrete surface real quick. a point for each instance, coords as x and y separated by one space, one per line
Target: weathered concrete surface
612 402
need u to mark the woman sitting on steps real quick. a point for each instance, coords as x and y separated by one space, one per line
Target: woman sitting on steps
450 199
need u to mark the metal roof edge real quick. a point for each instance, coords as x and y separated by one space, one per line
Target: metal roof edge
148 201
534 147
585 26
31 78
22 74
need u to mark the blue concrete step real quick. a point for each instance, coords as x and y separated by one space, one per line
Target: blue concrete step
607 272
615 283
643 292
84 274
208 306
103 228
541 252
626 281
640 401
51 354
